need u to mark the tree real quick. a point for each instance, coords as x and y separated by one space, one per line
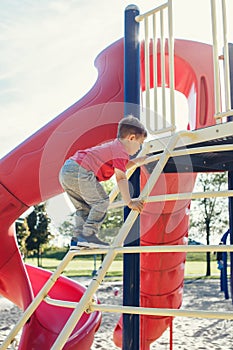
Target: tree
38 226
67 227
210 215
22 232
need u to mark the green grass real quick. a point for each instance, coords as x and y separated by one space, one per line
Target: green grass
196 256
85 266
78 266
199 268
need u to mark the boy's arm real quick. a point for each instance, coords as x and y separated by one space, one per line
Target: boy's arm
123 185
136 161
122 182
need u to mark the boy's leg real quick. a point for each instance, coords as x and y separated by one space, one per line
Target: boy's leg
88 197
96 198
80 219
96 217
69 179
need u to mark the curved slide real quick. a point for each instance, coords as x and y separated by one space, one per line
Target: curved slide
29 175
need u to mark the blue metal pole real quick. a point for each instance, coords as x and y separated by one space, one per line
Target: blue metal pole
221 281
230 173
131 278
224 282
230 187
224 275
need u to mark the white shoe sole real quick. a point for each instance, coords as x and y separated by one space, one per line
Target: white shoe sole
88 245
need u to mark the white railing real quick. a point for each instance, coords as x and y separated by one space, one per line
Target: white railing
219 29
154 24
158 30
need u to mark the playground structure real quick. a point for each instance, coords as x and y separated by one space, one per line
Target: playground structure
167 182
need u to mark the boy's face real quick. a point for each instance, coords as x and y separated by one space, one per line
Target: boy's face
134 143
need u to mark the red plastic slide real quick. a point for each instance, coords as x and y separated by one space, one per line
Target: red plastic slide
29 175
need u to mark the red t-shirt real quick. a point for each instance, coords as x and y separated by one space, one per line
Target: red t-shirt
103 159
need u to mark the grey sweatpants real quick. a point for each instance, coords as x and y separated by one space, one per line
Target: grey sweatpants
86 194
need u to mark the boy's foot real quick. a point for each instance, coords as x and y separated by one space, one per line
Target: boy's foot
88 242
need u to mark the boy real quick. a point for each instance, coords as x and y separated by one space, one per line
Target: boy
81 174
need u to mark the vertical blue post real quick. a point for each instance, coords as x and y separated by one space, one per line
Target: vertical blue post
230 186
230 173
224 275
131 278
224 284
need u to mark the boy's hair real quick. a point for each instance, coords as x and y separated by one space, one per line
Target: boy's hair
130 125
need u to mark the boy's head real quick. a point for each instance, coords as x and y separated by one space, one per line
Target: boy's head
131 126
132 134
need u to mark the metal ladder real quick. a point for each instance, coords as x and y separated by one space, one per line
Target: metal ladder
111 253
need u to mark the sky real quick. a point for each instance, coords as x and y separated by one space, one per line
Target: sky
48 48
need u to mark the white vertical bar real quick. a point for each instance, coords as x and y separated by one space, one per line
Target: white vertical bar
171 65
226 58
215 58
155 72
147 71
162 56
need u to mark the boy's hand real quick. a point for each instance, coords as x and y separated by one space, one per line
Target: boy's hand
136 204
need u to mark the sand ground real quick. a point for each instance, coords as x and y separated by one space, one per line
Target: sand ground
188 333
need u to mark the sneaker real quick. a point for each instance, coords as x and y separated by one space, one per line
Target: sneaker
91 241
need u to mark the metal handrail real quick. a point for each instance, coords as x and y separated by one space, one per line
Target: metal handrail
227 315
219 114
162 40
93 307
151 12
179 196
